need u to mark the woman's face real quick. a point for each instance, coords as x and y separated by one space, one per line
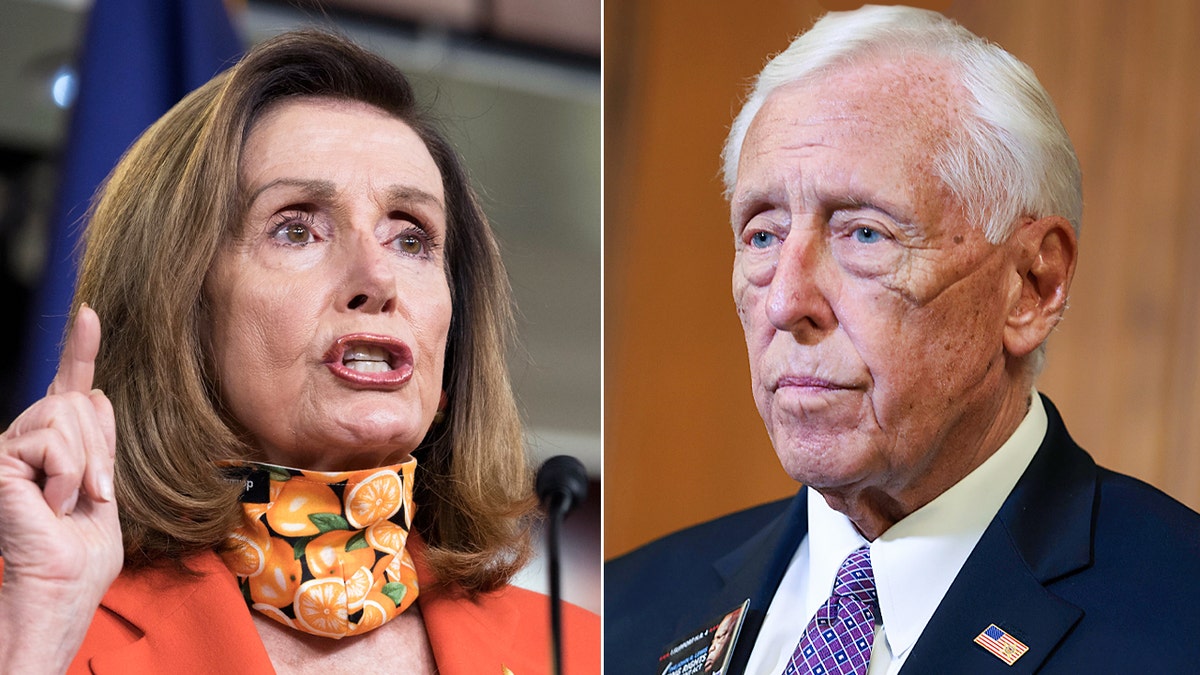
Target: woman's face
330 311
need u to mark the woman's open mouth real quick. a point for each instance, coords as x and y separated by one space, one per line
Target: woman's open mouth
370 361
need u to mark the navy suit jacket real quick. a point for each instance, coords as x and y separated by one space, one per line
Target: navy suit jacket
1094 571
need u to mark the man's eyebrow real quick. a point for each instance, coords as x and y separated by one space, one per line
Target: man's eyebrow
751 197
854 201
747 196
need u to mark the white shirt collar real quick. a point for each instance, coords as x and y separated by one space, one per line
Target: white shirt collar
917 559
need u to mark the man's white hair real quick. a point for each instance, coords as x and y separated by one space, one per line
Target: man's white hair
1011 157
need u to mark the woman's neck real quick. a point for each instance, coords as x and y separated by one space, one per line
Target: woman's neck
294 652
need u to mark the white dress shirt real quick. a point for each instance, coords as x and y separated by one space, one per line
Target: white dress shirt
914 561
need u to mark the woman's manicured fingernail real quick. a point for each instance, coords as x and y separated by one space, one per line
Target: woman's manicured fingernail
106 488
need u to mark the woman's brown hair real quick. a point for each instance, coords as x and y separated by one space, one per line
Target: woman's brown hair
152 237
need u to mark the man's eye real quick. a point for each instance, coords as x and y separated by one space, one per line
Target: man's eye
762 239
865 235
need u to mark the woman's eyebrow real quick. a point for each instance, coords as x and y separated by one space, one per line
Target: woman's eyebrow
412 194
319 189
326 190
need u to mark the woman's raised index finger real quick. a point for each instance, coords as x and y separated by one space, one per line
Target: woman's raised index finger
78 363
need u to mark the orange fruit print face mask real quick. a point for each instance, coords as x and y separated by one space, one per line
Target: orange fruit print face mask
324 552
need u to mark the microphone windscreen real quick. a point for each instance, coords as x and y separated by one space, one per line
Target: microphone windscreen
562 474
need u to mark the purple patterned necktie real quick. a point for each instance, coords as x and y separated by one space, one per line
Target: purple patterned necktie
838 640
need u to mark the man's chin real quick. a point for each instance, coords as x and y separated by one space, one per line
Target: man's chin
823 468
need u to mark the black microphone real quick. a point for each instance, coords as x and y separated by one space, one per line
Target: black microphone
561 486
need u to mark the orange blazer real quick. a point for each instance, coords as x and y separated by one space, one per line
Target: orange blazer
160 621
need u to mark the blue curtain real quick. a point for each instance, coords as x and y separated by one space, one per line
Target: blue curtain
138 58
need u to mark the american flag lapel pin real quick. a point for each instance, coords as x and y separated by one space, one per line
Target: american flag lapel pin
1001 645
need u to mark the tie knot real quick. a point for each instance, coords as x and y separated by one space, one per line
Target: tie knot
840 637
855 579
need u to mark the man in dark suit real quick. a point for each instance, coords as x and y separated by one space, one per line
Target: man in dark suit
905 205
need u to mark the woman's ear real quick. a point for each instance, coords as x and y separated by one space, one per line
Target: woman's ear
1046 251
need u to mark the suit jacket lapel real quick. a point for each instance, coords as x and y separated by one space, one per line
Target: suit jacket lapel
467 637
1042 533
994 587
184 622
754 570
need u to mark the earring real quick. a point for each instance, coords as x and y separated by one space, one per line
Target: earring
440 415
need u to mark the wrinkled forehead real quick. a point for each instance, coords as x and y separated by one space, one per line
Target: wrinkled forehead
878 125
874 132
909 103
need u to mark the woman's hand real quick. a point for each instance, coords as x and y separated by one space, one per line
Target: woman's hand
59 534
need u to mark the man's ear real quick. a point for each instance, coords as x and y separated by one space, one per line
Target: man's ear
1046 250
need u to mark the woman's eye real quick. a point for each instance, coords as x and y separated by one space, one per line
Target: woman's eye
297 233
294 229
762 239
866 235
414 241
410 244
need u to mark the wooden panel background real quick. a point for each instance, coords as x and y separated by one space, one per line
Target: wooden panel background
683 442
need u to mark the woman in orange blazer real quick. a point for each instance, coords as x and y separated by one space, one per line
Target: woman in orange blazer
302 301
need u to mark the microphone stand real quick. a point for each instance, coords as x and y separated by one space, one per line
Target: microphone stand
561 486
557 513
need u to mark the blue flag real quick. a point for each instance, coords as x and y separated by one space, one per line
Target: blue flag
138 58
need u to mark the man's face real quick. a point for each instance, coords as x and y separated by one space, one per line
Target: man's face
716 650
874 314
